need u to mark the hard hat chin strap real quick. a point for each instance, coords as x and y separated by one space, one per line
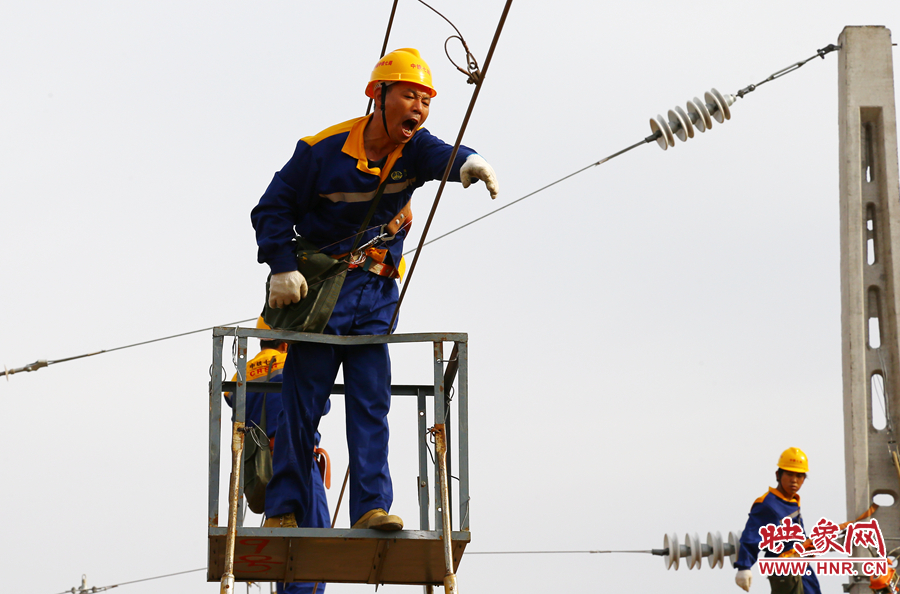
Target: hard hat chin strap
384 90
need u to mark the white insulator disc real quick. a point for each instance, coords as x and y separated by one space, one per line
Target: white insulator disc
692 542
661 139
734 539
717 557
695 117
715 108
666 129
703 111
687 128
677 125
723 102
670 542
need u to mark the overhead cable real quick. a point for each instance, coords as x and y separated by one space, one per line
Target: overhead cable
85 590
462 130
659 132
657 135
46 363
547 552
387 35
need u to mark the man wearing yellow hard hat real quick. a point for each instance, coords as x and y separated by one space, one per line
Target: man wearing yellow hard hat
341 188
776 504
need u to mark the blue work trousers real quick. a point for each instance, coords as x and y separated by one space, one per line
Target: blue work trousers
365 306
316 518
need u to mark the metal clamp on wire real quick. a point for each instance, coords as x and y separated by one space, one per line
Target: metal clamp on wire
827 49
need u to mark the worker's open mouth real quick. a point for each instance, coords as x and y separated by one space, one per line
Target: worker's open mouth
409 126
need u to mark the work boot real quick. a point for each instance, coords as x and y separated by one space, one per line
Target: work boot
378 519
282 521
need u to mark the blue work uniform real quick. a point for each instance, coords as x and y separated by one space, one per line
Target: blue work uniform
324 192
268 366
772 508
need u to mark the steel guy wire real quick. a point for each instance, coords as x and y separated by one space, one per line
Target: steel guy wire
101 588
472 71
453 153
502 207
46 363
820 53
98 589
387 35
547 552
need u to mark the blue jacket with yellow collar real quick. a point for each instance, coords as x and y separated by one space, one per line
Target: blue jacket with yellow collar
772 508
326 189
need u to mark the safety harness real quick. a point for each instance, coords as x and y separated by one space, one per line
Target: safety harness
325 274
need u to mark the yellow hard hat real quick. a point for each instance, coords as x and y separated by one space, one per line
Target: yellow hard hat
401 65
794 460
261 324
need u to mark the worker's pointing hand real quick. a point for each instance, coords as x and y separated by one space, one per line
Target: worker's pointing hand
743 579
475 168
286 288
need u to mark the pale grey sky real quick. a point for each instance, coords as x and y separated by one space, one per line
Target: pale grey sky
645 338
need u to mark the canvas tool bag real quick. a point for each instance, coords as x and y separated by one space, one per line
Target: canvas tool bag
257 464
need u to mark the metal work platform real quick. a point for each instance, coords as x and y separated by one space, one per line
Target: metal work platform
345 555
423 556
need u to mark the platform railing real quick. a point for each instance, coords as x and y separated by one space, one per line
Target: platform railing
332 555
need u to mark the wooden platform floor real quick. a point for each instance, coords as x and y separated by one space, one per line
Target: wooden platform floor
339 555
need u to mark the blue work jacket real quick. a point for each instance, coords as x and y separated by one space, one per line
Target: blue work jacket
326 188
772 508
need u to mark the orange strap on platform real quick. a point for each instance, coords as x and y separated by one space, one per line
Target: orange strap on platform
808 544
324 466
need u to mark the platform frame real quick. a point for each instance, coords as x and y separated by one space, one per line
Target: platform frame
346 555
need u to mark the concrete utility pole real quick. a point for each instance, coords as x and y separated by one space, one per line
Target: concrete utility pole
870 277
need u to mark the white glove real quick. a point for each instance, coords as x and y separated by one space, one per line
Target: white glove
743 579
475 168
286 288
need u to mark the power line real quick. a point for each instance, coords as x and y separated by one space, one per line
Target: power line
505 206
85 590
45 363
547 552
740 94
478 84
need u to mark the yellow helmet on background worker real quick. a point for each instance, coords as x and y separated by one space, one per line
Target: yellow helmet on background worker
794 460
402 65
